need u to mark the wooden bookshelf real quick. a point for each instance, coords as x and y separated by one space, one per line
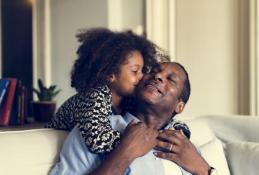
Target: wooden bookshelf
34 125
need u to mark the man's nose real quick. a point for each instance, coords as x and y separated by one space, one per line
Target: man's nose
159 77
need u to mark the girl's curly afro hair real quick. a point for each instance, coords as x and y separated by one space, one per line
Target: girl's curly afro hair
102 52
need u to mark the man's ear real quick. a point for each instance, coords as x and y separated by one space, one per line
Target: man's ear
179 108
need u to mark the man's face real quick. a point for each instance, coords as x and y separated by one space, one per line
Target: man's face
163 86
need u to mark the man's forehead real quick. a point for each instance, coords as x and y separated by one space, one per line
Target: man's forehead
171 67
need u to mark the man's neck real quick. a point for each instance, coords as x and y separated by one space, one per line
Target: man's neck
151 117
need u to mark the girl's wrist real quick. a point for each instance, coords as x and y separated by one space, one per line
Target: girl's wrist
123 153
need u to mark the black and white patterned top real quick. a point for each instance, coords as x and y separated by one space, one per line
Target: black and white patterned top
89 111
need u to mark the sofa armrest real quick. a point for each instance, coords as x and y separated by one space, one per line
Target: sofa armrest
243 157
30 152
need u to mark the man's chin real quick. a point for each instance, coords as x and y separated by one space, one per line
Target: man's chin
150 99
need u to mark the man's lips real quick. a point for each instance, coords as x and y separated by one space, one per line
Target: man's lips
153 85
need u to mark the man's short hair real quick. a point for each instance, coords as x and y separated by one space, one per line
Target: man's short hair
186 86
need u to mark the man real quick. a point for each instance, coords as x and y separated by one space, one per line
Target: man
162 92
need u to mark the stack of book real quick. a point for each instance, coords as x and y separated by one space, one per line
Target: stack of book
13 102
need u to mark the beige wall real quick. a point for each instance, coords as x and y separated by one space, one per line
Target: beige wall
67 18
55 25
133 14
211 39
207 39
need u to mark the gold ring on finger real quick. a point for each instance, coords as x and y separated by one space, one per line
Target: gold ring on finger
171 146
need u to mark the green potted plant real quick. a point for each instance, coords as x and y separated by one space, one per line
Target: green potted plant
44 109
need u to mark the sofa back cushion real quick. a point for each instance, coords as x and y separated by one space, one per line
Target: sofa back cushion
245 155
234 128
29 152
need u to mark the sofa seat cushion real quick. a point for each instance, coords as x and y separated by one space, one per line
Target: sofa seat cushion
30 151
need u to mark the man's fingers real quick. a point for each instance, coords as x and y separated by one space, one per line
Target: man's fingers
177 133
165 145
168 147
168 156
171 137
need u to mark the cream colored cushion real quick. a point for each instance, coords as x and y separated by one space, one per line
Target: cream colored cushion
201 134
214 154
207 143
234 128
30 152
245 155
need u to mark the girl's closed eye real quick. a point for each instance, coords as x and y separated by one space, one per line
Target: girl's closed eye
135 71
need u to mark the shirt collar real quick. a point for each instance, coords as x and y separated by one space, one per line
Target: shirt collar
129 117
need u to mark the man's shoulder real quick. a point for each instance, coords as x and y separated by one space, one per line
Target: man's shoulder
75 136
74 152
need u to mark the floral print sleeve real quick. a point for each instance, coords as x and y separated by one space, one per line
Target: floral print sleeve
179 125
93 123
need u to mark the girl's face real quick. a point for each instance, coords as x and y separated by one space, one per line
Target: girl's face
130 74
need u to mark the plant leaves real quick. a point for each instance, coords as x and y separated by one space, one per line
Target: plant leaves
44 93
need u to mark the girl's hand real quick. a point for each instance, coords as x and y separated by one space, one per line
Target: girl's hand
138 139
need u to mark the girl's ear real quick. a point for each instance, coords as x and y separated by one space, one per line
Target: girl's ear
111 78
180 106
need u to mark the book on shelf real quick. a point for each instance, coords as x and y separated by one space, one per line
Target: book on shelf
14 108
6 107
3 88
20 108
24 107
15 118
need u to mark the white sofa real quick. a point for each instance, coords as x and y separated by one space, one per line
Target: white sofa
33 152
237 135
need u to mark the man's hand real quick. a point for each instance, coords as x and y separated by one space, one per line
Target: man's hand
181 151
138 139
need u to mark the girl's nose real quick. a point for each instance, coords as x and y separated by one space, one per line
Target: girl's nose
140 76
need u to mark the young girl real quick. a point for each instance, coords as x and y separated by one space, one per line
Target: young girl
108 68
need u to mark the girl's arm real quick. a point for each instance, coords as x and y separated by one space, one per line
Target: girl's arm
93 121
